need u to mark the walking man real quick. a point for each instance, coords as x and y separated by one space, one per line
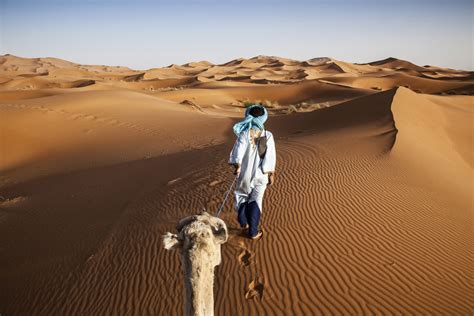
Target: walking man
253 157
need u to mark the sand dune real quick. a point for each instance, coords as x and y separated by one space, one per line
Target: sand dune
313 92
418 84
394 63
82 128
371 212
42 73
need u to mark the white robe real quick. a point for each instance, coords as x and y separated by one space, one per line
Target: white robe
252 180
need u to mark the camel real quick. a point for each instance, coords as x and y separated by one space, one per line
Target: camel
199 240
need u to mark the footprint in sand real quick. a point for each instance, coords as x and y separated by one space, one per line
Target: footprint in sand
75 116
90 117
245 258
6 202
215 182
254 290
173 181
112 121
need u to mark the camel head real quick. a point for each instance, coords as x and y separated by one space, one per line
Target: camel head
195 232
199 240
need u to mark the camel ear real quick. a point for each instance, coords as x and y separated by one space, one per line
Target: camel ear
171 241
185 221
220 232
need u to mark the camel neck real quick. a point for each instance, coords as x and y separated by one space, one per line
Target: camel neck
199 288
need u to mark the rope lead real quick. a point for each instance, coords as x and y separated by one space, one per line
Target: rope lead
226 196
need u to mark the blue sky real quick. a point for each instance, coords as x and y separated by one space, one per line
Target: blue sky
143 34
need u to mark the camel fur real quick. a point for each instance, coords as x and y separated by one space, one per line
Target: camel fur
199 240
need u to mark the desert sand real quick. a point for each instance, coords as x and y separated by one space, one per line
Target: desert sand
371 212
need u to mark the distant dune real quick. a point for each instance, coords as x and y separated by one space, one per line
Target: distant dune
371 212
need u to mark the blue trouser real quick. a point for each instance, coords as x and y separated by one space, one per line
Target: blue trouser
249 213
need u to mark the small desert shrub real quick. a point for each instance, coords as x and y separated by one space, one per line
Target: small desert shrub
291 109
247 103
266 103
317 106
165 89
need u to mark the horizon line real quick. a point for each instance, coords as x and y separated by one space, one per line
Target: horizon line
233 59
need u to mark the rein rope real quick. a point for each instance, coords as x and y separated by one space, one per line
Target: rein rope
226 196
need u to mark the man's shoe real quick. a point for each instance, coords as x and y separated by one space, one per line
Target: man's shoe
258 236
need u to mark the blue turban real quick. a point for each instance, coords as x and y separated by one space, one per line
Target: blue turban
250 121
